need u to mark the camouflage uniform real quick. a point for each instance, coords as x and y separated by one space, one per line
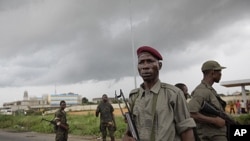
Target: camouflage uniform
61 134
171 115
207 132
106 120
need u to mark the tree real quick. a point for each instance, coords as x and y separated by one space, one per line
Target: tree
85 100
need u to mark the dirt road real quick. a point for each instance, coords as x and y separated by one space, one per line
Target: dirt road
6 135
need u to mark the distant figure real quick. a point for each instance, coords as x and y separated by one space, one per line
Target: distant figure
232 107
107 120
243 107
248 106
237 104
184 88
61 123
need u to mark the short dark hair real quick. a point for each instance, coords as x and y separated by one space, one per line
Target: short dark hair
205 72
180 85
62 101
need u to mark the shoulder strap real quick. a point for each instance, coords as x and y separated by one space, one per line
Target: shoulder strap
170 96
222 102
152 136
135 94
134 91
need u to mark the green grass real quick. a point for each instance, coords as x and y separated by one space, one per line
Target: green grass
84 125
79 124
244 119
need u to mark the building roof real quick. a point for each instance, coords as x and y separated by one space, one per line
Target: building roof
236 83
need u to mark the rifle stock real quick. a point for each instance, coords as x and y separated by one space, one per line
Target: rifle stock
129 117
210 109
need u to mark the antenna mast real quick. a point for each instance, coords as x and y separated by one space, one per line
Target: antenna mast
55 88
132 42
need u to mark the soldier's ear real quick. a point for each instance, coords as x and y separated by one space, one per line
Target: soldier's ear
160 65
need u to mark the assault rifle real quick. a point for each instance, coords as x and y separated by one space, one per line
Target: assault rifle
128 116
50 121
210 109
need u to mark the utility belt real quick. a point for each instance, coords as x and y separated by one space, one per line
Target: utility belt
108 124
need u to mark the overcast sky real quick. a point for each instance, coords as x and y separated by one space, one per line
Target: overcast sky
88 46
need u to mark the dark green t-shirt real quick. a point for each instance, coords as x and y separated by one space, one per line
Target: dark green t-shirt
106 112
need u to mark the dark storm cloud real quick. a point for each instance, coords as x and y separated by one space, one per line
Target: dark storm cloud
66 42
177 23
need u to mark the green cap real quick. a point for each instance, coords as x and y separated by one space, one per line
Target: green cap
211 65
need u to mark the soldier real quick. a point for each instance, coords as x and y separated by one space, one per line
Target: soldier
209 127
232 107
243 107
62 127
160 109
248 106
107 120
184 88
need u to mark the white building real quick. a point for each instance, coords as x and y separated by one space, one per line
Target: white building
69 98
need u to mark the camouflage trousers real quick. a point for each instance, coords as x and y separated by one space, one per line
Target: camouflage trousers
61 135
111 129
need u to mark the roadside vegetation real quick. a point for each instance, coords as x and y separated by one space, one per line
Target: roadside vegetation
243 119
83 125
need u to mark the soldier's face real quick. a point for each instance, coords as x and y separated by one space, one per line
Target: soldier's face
105 98
148 66
63 105
217 75
185 90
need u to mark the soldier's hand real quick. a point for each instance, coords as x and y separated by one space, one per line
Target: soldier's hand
125 120
219 122
127 137
66 127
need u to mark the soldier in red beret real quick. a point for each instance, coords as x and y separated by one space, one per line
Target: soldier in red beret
150 50
160 109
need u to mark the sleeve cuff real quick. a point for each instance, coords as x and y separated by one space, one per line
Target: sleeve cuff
184 125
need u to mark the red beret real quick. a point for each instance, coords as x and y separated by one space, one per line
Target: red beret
150 50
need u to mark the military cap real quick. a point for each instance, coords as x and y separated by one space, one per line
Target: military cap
211 65
150 50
